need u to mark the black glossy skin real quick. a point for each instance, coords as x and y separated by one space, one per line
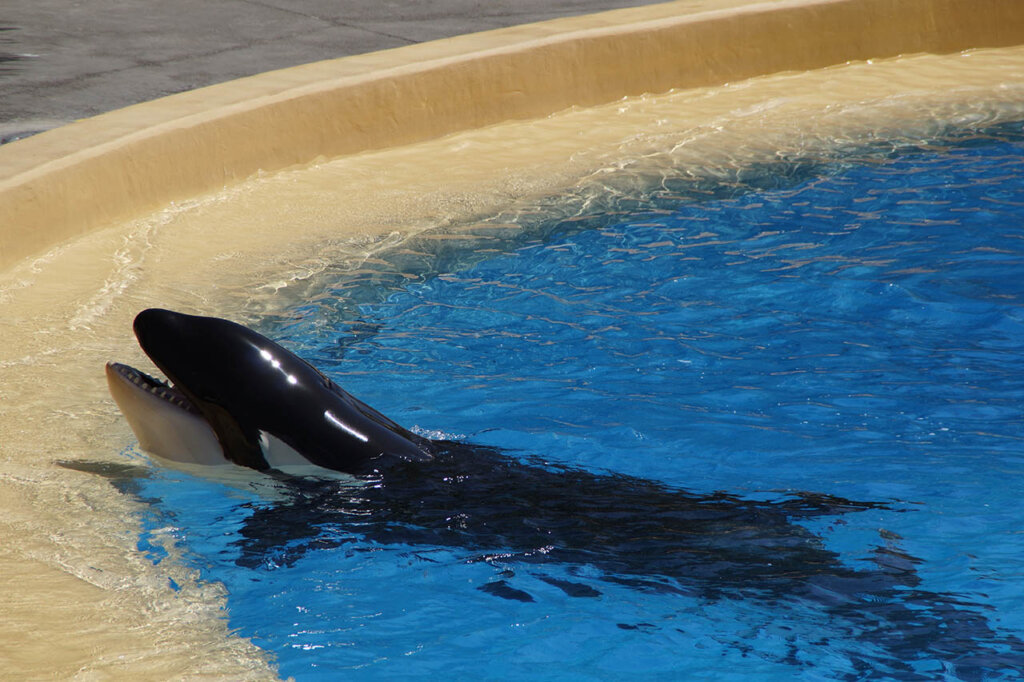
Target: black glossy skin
244 383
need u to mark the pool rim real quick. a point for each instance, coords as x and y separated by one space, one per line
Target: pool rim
103 170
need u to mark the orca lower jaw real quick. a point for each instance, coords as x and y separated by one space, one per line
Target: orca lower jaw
165 422
159 389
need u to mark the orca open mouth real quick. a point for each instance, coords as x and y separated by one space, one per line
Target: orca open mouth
161 389
233 394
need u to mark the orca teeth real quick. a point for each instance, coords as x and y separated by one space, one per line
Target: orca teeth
161 389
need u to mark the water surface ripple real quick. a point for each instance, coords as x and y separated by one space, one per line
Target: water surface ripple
837 345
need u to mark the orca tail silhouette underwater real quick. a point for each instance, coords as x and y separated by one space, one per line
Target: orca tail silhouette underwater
236 396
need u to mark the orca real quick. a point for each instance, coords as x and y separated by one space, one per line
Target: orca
233 395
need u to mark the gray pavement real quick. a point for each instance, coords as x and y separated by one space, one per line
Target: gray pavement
61 60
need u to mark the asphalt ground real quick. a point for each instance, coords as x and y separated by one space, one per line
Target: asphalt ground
62 60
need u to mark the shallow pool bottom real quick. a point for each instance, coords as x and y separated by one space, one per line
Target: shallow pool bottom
850 330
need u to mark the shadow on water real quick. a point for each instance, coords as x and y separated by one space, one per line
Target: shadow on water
636 533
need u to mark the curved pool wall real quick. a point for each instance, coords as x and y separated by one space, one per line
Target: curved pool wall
83 597
73 179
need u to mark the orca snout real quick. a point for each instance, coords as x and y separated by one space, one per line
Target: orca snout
154 321
165 335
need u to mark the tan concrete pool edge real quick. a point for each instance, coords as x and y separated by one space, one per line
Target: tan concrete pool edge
67 181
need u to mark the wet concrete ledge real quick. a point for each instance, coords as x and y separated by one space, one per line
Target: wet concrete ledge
106 169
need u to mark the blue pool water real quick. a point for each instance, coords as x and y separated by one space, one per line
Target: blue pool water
828 358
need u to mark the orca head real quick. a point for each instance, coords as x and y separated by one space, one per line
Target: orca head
234 394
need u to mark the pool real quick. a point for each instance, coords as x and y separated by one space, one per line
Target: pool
769 425
188 210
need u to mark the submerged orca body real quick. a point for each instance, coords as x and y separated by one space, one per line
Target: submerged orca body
237 396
